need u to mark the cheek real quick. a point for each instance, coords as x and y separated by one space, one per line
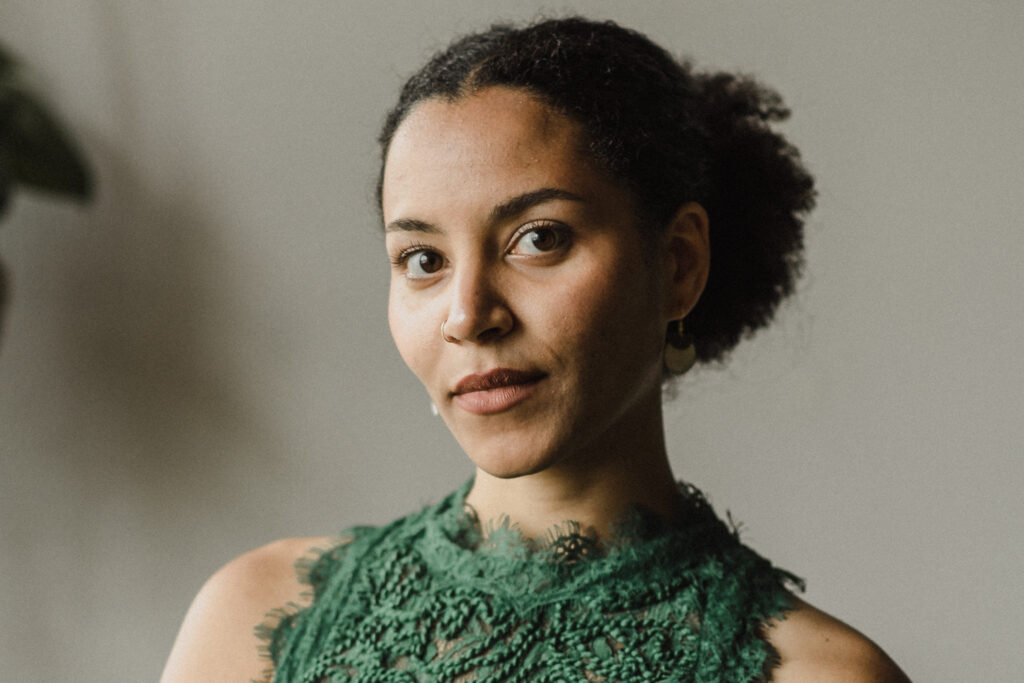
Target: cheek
611 319
410 331
579 316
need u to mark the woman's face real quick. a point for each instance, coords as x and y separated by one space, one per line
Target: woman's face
554 314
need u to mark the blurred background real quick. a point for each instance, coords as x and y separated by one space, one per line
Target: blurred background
198 362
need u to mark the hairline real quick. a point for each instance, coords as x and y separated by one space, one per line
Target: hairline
471 86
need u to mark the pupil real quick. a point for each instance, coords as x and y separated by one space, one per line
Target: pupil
428 262
543 239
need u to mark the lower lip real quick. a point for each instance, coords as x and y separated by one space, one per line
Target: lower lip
494 400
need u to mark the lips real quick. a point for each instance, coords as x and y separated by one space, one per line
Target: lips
495 391
499 377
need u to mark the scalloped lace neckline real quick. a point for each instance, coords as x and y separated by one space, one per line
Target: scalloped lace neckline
570 543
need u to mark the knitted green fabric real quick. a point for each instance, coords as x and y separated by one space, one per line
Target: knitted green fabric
432 597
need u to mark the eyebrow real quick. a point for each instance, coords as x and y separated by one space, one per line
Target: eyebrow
410 225
519 204
507 209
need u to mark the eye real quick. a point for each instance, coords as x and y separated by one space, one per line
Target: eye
540 239
423 263
419 262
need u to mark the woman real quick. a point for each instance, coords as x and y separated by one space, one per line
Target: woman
572 218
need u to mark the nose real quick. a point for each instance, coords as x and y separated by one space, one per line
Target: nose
478 313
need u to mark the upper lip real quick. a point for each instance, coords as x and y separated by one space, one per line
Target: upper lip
492 379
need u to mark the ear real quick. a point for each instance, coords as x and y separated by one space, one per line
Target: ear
687 254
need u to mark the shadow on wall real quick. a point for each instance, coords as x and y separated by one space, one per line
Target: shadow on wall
141 308
129 424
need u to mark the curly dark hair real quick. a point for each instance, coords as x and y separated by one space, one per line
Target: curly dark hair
670 134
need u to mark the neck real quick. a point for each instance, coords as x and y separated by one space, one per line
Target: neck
624 466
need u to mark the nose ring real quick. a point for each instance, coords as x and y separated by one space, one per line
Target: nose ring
444 335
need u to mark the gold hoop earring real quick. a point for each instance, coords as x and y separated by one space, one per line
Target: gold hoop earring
680 351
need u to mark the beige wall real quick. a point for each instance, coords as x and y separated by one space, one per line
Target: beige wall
199 362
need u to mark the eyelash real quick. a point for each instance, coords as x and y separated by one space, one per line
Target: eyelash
400 259
559 229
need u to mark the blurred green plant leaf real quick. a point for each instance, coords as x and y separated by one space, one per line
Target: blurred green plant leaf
35 150
7 63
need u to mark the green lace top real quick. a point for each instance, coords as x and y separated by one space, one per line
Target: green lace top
432 597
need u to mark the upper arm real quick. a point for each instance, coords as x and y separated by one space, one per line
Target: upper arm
814 647
217 640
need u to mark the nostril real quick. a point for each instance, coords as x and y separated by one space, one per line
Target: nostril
490 334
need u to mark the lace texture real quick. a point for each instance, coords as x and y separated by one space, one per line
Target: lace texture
433 597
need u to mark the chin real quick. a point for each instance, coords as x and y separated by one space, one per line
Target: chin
509 470
509 465
510 457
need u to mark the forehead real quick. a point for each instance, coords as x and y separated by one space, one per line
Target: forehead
496 143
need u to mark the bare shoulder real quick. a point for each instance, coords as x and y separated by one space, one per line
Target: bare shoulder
217 640
815 647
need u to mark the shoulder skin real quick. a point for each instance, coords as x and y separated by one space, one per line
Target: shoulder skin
217 641
814 647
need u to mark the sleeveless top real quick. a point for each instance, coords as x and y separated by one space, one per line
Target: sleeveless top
433 597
